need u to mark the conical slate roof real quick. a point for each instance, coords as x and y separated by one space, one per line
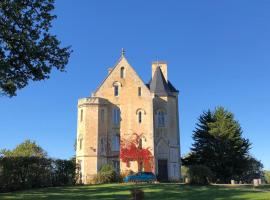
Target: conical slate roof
159 85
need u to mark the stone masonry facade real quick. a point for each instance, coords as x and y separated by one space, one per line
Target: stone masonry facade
121 106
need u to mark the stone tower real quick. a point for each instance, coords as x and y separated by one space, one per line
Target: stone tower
121 106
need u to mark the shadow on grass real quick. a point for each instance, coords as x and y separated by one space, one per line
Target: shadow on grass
151 191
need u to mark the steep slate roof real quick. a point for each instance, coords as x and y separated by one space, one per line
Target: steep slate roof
159 85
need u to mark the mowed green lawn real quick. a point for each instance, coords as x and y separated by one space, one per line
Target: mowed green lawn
152 192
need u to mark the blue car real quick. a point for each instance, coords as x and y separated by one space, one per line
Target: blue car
141 177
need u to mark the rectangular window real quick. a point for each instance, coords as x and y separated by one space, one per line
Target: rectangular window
139 91
81 115
161 119
116 116
116 142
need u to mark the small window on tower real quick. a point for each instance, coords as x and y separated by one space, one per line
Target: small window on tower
122 72
81 116
80 143
139 91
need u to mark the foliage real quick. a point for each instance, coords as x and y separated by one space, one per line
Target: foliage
106 174
32 172
254 170
199 174
63 172
267 176
132 150
28 51
184 172
172 191
219 145
27 166
26 149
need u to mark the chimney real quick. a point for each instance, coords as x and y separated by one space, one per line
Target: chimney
163 67
110 70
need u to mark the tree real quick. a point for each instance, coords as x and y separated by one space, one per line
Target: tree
28 51
199 175
254 170
26 149
219 145
267 176
132 150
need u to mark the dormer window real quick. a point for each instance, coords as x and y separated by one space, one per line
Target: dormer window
122 72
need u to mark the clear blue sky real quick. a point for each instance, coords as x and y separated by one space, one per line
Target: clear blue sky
218 53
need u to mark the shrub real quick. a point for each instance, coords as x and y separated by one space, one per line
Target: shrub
106 174
199 174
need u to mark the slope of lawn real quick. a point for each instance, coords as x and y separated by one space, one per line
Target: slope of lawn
168 191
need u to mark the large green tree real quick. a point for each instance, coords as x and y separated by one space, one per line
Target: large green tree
26 149
28 51
219 145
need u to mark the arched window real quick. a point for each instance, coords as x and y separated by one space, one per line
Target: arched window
140 117
140 112
161 118
116 90
122 72
116 87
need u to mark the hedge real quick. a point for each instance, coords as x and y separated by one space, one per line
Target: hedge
17 173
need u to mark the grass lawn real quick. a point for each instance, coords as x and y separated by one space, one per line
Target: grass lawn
152 192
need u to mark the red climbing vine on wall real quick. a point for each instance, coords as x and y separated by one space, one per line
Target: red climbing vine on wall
132 150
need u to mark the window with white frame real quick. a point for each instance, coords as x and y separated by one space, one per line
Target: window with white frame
116 116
